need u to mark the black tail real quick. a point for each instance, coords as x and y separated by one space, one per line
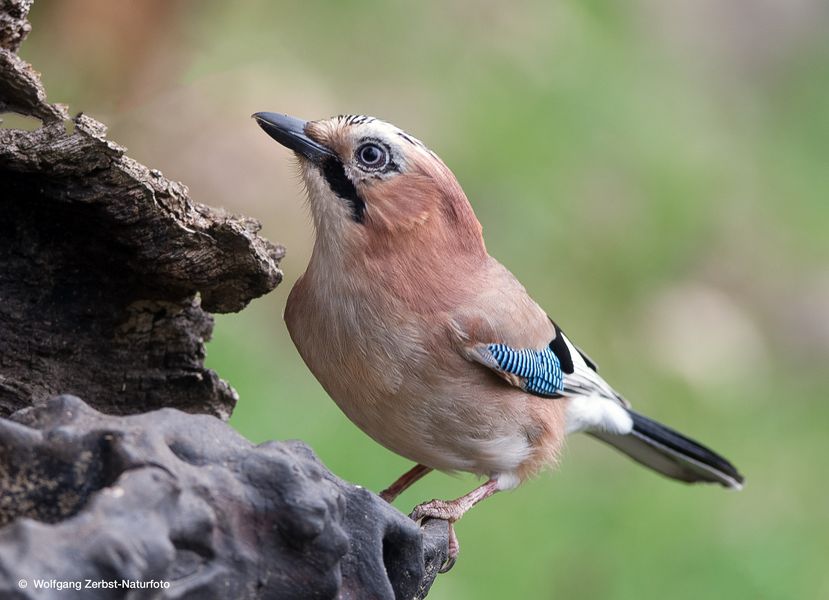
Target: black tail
672 454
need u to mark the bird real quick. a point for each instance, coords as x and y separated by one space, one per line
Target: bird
429 344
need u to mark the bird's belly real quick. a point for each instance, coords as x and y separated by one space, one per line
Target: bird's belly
443 422
473 442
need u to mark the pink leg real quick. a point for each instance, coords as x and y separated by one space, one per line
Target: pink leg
404 482
452 510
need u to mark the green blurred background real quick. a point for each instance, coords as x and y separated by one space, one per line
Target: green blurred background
654 171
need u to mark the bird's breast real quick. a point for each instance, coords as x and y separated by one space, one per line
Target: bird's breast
358 351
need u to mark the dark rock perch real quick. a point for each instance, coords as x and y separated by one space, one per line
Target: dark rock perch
170 496
108 275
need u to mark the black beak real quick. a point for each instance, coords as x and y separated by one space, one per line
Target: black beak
290 132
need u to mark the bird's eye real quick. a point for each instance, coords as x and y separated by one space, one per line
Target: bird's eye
372 156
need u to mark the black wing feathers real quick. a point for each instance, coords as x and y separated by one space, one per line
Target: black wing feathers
559 348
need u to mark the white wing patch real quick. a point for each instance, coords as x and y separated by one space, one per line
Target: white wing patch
592 413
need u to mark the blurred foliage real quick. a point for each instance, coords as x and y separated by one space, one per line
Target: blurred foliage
654 172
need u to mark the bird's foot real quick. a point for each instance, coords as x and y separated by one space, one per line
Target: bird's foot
444 510
452 511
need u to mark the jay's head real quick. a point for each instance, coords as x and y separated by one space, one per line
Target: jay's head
373 188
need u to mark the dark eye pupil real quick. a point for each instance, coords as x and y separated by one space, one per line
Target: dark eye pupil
371 155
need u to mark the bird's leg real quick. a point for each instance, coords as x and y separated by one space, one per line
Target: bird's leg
404 482
452 510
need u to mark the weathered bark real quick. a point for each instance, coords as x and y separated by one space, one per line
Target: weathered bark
107 268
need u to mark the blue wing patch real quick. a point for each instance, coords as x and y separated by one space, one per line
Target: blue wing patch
540 369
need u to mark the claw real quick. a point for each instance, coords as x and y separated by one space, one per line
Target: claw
453 552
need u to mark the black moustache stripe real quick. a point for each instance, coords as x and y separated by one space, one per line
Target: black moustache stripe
340 184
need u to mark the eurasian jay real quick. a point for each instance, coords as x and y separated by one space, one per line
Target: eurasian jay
430 345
